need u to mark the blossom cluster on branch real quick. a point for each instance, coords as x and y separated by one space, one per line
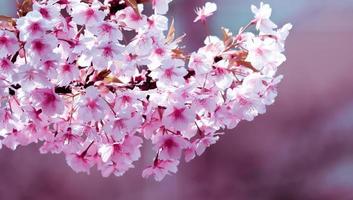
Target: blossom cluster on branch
93 79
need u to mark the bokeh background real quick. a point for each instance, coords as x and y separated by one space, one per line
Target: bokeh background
302 149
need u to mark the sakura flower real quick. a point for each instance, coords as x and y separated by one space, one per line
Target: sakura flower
160 169
160 6
35 115
271 90
170 73
106 151
79 162
128 149
158 54
124 124
30 78
8 43
84 48
177 117
49 65
263 53
131 19
199 146
50 13
282 35
223 78
145 43
200 63
205 142
6 66
159 22
106 31
32 26
48 101
106 53
213 47
128 100
40 47
152 123
248 107
14 138
67 82
171 146
117 167
253 85
207 10
262 18
118 157
131 146
68 72
83 14
5 118
190 153
91 106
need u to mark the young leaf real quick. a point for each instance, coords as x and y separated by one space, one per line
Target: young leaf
111 79
171 33
8 21
227 37
25 7
6 18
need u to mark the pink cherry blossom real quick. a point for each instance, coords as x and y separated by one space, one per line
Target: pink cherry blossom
96 84
91 106
170 73
68 73
83 14
79 162
30 78
161 6
6 66
105 54
178 117
131 19
200 63
160 169
106 31
48 101
32 26
50 13
263 53
205 142
8 43
125 123
262 18
207 10
40 47
170 146
223 77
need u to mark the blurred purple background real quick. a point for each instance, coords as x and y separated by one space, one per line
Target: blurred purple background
302 148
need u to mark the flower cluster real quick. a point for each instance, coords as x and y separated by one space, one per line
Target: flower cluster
92 79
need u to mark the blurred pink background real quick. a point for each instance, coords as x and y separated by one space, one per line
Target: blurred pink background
302 148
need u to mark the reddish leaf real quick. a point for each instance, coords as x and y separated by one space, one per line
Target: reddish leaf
227 37
6 18
7 22
102 75
25 7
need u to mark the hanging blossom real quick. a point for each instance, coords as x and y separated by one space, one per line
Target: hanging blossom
72 81
206 11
